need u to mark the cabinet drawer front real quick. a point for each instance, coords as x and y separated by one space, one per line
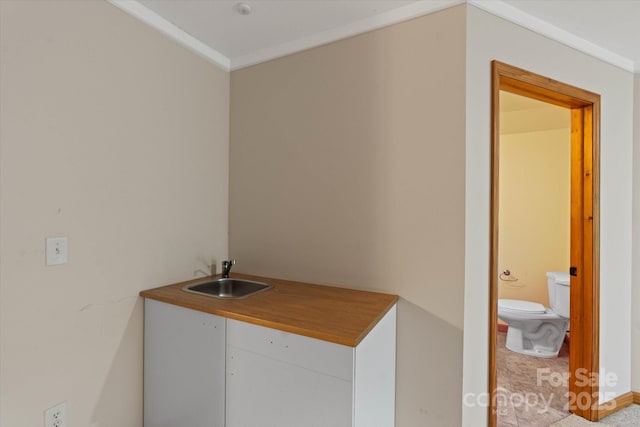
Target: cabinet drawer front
309 353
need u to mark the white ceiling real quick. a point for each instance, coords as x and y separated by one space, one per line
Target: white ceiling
607 29
271 23
519 114
511 102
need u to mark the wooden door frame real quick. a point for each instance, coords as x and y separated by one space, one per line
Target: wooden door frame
585 225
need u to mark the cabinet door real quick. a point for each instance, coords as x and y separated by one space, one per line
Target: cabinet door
278 379
184 359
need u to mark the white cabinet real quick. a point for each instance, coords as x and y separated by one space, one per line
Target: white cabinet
278 379
374 389
269 378
184 367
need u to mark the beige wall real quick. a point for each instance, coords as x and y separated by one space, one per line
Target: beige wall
488 38
347 167
352 172
114 136
535 202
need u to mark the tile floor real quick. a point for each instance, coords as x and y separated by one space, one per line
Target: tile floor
530 390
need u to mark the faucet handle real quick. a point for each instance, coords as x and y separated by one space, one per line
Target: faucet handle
226 267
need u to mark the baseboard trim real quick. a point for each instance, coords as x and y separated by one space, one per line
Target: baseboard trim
502 327
636 397
618 403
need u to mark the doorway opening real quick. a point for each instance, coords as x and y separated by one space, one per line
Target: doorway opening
584 106
533 260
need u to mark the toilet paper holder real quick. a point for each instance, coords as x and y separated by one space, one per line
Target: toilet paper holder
506 276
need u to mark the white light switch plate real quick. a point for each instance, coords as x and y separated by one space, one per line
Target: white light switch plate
57 250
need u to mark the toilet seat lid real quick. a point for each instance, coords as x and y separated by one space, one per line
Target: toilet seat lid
522 306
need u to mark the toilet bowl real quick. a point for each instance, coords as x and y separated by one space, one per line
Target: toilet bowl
533 329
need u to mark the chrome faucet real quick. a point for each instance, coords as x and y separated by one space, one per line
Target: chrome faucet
226 267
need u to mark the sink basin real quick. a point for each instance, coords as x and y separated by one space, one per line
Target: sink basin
228 288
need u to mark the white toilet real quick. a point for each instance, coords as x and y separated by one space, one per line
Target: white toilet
533 329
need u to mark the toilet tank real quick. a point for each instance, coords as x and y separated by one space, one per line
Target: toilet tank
559 294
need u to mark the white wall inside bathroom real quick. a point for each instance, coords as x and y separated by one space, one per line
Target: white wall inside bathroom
117 137
535 198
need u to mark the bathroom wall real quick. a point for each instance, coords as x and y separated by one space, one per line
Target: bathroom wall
347 168
535 204
115 136
488 38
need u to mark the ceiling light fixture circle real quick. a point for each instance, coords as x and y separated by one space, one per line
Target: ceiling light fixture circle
243 8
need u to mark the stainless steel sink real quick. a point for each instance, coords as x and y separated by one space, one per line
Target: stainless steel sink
228 288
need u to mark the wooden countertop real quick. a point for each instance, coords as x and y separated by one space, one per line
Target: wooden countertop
339 315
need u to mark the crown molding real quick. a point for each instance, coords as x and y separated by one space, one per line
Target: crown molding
390 17
503 10
495 7
156 21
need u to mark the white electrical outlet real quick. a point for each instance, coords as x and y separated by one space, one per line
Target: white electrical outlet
57 250
56 416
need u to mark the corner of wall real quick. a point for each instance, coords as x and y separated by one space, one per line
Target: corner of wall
492 38
635 300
